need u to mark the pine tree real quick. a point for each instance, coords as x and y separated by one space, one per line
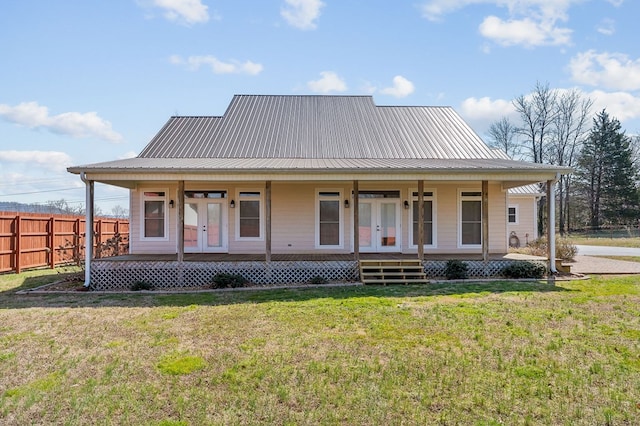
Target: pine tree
607 173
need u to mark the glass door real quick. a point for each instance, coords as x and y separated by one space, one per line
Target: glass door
205 226
379 225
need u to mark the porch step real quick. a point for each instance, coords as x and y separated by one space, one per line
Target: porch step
392 271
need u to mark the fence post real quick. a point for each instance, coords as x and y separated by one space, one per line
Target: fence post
117 237
17 243
76 240
98 238
52 239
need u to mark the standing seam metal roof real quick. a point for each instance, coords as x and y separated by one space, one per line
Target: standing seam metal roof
322 127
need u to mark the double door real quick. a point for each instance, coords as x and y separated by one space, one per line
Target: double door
379 225
205 225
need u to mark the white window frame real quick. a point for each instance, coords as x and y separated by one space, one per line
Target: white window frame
434 217
237 200
462 198
516 207
340 200
143 199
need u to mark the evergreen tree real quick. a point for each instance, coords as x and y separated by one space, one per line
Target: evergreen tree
607 173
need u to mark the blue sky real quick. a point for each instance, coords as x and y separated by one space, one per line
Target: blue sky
85 81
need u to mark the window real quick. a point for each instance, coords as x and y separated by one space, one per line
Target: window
329 219
154 215
429 229
249 215
470 218
512 215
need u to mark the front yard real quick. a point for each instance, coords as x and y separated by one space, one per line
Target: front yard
489 353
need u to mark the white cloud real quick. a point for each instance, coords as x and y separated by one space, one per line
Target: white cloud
616 3
74 124
611 70
621 105
55 161
329 82
526 32
302 13
529 22
480 113
400 89
606 27
186 12
217 66
128 154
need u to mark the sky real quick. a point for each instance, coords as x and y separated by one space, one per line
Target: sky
86 81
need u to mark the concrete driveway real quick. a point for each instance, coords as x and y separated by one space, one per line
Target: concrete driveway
586 261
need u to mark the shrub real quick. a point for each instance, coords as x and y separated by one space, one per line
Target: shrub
223 280
318 280
141 285
456 270
565 249
524 269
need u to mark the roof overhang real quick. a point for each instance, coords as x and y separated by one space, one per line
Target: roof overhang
127 173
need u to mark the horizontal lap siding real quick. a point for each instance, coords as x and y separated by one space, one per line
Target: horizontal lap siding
137 244
526 229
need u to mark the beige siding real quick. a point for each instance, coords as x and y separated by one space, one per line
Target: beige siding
526 229
294 216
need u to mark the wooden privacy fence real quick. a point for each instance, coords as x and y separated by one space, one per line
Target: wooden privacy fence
32 240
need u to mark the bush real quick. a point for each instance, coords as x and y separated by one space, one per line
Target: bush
456 270
318 280
223 280
524 269
565 249
141 285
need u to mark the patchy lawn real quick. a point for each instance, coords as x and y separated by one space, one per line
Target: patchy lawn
483 353
605 241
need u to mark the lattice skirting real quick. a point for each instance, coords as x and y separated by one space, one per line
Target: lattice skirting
435 269
116 275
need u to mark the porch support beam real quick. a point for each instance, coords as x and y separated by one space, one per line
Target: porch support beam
420 218
88 236
267 221
180 221
356 221
485 220
551 224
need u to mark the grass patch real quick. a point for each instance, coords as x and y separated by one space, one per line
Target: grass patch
499 352
626 258
605 241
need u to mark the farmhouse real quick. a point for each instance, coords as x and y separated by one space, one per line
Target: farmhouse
282 188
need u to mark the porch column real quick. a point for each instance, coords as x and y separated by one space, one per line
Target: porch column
356 222
88 237
551 224
420 218
180 221
268 221
485 220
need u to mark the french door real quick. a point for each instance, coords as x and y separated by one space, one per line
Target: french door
379 225
205 225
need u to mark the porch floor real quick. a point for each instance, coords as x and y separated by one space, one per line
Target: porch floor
226 257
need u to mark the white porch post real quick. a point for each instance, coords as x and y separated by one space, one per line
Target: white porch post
88 238
551 224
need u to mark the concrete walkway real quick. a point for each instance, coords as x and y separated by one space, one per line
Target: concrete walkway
586 261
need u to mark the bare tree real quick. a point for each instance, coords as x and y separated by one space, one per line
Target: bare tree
537 112
503 136
119 212
570 130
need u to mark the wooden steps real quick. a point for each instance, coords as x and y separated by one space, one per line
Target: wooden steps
392 271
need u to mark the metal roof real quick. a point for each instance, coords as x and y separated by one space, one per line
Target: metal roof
260 126
247 165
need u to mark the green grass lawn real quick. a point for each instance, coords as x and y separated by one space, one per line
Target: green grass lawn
473 353
605 241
